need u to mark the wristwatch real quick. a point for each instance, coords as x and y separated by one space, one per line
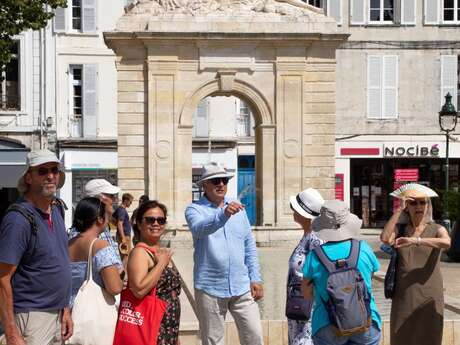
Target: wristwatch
419 240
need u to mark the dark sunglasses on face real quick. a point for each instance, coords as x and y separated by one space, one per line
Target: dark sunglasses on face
217 181
152 220
42 171
417 202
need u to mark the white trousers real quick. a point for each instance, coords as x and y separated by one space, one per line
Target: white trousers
211 314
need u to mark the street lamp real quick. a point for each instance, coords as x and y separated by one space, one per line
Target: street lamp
447 122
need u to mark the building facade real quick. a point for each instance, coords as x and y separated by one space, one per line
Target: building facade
393 73
86 94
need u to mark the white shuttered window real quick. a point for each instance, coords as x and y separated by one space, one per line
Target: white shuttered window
358 13
449 78
408 12
90 100
60 22
80 15
89 15
431 12
334 10
382 86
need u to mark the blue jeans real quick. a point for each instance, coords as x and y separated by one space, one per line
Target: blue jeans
326 336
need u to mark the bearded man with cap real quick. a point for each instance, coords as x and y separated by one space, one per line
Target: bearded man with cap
226 266
35 278
106 192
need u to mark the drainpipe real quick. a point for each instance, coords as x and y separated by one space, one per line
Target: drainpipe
42 86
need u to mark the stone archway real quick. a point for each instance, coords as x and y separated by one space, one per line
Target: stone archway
282 63
226 84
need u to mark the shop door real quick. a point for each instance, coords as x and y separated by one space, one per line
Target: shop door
246 185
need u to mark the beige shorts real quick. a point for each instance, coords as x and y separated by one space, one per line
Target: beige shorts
40 327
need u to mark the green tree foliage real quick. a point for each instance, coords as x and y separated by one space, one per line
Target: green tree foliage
19 15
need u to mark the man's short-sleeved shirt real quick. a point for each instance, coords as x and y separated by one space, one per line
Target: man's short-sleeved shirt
314 270
41 282
121 214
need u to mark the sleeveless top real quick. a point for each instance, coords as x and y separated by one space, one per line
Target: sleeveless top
417 309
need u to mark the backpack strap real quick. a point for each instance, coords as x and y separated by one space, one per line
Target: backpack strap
352 260
27 214
61 205
332 266
324 259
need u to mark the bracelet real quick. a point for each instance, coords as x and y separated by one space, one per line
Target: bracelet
419 241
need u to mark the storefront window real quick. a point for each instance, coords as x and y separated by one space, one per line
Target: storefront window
372 180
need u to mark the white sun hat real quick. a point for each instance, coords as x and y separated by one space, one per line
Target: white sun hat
307 203
336 222
36 158
212 170
414 190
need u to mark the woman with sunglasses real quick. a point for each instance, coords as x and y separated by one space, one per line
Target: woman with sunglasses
417 309
150 266
90 220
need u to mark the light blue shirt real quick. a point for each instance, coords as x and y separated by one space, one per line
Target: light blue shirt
225 256
314 270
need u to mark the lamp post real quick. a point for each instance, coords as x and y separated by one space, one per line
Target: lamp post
447 122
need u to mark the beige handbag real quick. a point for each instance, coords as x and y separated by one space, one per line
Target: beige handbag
94 313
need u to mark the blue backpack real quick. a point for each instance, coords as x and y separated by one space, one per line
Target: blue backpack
348 306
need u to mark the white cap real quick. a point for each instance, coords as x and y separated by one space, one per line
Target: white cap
98 186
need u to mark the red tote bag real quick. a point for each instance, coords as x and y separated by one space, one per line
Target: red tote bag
139 319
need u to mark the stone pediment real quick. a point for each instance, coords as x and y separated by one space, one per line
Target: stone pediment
151 15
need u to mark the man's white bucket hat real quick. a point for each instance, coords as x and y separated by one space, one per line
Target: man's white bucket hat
336 222
36 158
307 203
212 170
98 186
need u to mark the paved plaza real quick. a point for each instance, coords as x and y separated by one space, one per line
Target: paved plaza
274 270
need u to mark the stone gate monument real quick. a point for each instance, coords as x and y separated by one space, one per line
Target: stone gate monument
276 55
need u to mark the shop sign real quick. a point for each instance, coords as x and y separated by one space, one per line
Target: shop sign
406 175
411 150
339 187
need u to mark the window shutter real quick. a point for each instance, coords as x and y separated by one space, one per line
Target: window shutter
408 16
374 86
449 78
334 10
89 15
89 100
60 19
432 10
390 87
358 15
201 119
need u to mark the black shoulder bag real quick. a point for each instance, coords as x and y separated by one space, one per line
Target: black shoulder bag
297 307
390 276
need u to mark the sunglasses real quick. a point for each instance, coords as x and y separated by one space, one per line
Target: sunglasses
152 220
417 202
42 171
217 181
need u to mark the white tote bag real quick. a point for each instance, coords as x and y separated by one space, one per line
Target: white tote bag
94 313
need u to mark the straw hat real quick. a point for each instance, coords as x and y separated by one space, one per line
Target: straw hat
414 191
212 170
36 158
336 222
307 203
